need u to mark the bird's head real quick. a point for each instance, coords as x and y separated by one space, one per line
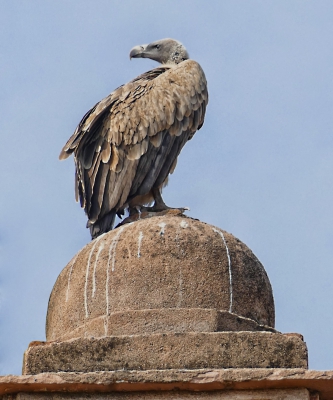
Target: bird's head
164 51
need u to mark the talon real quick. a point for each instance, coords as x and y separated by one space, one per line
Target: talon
120 214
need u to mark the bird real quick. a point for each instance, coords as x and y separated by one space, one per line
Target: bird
127 144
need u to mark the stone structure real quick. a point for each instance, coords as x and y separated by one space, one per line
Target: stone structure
166 307
157 275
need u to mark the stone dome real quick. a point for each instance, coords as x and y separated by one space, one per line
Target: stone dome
160 274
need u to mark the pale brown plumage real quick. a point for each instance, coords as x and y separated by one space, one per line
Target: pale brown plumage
128 143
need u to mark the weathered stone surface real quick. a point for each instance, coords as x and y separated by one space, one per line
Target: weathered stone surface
180 320
170 380
167 320
166 351
274 394
171 263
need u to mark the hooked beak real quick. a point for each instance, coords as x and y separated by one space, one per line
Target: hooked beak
138 51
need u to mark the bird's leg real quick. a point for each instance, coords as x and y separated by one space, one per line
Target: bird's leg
134 210
159 204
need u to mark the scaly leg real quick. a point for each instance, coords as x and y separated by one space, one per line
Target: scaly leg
159 204
159 208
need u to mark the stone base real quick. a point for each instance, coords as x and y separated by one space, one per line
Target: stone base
253 383
191 350
287 394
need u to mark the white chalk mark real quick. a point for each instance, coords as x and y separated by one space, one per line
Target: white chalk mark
87 275
183 224
69 277
139 244
101 247
229 264
111 260
162 225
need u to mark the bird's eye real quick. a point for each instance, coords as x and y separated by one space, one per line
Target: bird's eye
157 46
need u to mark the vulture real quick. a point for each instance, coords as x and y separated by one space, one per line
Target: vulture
127 144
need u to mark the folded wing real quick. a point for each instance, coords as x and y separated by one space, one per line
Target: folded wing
129 142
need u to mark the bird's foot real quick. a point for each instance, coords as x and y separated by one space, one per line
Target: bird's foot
134 210
156 208
146 212
163 209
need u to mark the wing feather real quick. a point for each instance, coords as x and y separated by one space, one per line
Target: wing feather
106 152
114 158
143 168
98 192
156 140
137 150
154 171
171 157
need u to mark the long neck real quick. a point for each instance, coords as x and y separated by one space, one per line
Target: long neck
177 55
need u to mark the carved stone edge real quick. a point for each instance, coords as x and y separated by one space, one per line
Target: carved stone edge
157 380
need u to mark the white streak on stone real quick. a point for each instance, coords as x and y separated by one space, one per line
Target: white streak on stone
69 277
183 224
101 247
111 260
87 275
229 265
139 244
162 225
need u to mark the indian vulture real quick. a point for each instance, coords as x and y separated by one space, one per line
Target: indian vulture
127 144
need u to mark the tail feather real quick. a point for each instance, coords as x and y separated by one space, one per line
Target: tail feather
103 225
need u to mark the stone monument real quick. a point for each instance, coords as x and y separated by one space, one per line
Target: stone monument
163 293
165 307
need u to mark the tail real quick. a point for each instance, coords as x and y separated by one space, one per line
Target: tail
102 225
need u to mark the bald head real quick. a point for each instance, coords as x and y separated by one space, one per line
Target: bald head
164 51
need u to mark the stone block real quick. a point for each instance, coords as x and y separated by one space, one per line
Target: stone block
191 350
135 322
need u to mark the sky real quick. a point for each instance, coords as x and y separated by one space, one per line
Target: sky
261 167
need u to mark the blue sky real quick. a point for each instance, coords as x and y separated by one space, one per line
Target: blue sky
260 168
